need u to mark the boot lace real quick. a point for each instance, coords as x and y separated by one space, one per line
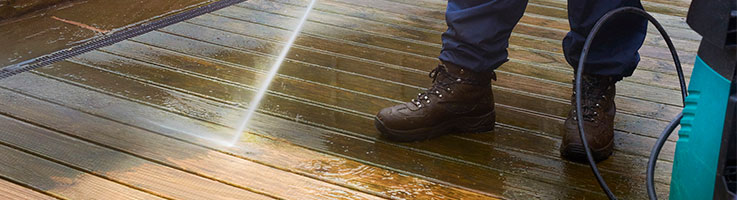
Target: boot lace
441 80
591 98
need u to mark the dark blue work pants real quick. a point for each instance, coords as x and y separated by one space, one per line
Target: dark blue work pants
478 34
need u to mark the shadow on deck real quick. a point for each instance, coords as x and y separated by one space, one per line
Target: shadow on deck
136 119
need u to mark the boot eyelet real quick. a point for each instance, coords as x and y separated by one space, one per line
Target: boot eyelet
458 80
425 97
437 92
597 105
428 101
419 105
440 96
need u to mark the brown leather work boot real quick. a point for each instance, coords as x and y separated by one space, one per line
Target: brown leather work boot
458 101
598 112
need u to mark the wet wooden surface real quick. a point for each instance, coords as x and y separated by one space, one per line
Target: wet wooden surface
143 117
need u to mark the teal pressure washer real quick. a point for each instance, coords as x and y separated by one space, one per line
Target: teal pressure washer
705 165
705 158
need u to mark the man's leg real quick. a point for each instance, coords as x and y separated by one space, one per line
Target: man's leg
614 50
460 99
478 32
613 55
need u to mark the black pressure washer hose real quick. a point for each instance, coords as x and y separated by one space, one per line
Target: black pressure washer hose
579 113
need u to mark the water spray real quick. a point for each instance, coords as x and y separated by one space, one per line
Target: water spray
270 76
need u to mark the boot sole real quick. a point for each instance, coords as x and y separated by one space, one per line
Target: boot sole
576 152
479 124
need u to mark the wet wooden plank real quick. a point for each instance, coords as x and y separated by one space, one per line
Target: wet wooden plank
557 8
561 106
377 87
670 79
60 180
424 63
175 60
262 150
551 58
437 169
192 77
124 168
303 112
9 190
183 156
83 79
531 23
656 6
403 16
100 60
388 29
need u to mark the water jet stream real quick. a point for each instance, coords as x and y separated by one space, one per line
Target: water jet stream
270 76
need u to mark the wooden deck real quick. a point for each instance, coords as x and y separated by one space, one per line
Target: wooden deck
133 120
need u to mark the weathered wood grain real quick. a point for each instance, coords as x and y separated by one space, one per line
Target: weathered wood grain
184 156
155 100
277 154
124 168
9 190
425 63
60 180
100 61
440 170
201 65
378 87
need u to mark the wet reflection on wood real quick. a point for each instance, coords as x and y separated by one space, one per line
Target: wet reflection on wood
140 113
